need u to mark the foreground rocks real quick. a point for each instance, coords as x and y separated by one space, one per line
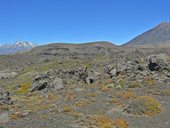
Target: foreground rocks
56 79
143 70
153 67
46 81
158 62
5 97
92 93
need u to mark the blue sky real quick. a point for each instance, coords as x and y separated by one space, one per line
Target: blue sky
47 21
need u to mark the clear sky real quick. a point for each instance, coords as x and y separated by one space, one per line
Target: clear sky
46 21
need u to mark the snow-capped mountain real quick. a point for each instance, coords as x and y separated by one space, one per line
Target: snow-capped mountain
16 47
19 44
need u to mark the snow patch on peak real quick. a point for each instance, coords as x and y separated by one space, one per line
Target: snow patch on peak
19 44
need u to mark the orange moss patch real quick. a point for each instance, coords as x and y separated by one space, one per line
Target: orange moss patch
167 92
149 81
117 102
92 94
101 122
120 123
52 97
32 102
125 94
16 115
70 96
105 89
75 114
4 107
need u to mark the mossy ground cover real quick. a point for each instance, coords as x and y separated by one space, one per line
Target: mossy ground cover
144 105
102 121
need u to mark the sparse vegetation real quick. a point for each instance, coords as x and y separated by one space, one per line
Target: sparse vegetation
24 87
144 105
68 96
67 109
125 94
16 115
160 92
92 94
149 81
120 123
81 103
101 121
117 102
135 84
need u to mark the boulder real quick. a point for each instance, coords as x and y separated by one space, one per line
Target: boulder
90 80
141 67
113 72
56 84
82 73
47 81
5 97
157 62
39 85
168 74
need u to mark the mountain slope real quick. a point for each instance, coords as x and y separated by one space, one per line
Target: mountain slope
84 49
61 51
18 46
158 36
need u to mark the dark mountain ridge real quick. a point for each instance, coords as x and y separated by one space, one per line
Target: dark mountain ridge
158 36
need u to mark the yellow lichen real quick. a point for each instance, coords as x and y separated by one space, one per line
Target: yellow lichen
67 109
81 103
24 87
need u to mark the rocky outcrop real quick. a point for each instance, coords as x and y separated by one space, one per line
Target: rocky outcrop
5 97
47 81
134 69
139 69
157 62
55 80
127 68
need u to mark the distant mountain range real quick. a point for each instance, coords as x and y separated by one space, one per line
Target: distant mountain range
158 36
18 46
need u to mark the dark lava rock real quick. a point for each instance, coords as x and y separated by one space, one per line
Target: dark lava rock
168 74
47 81
156 62
40 85
56 84
5 97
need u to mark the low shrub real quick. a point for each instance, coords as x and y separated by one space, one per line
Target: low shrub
144 105
101 121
